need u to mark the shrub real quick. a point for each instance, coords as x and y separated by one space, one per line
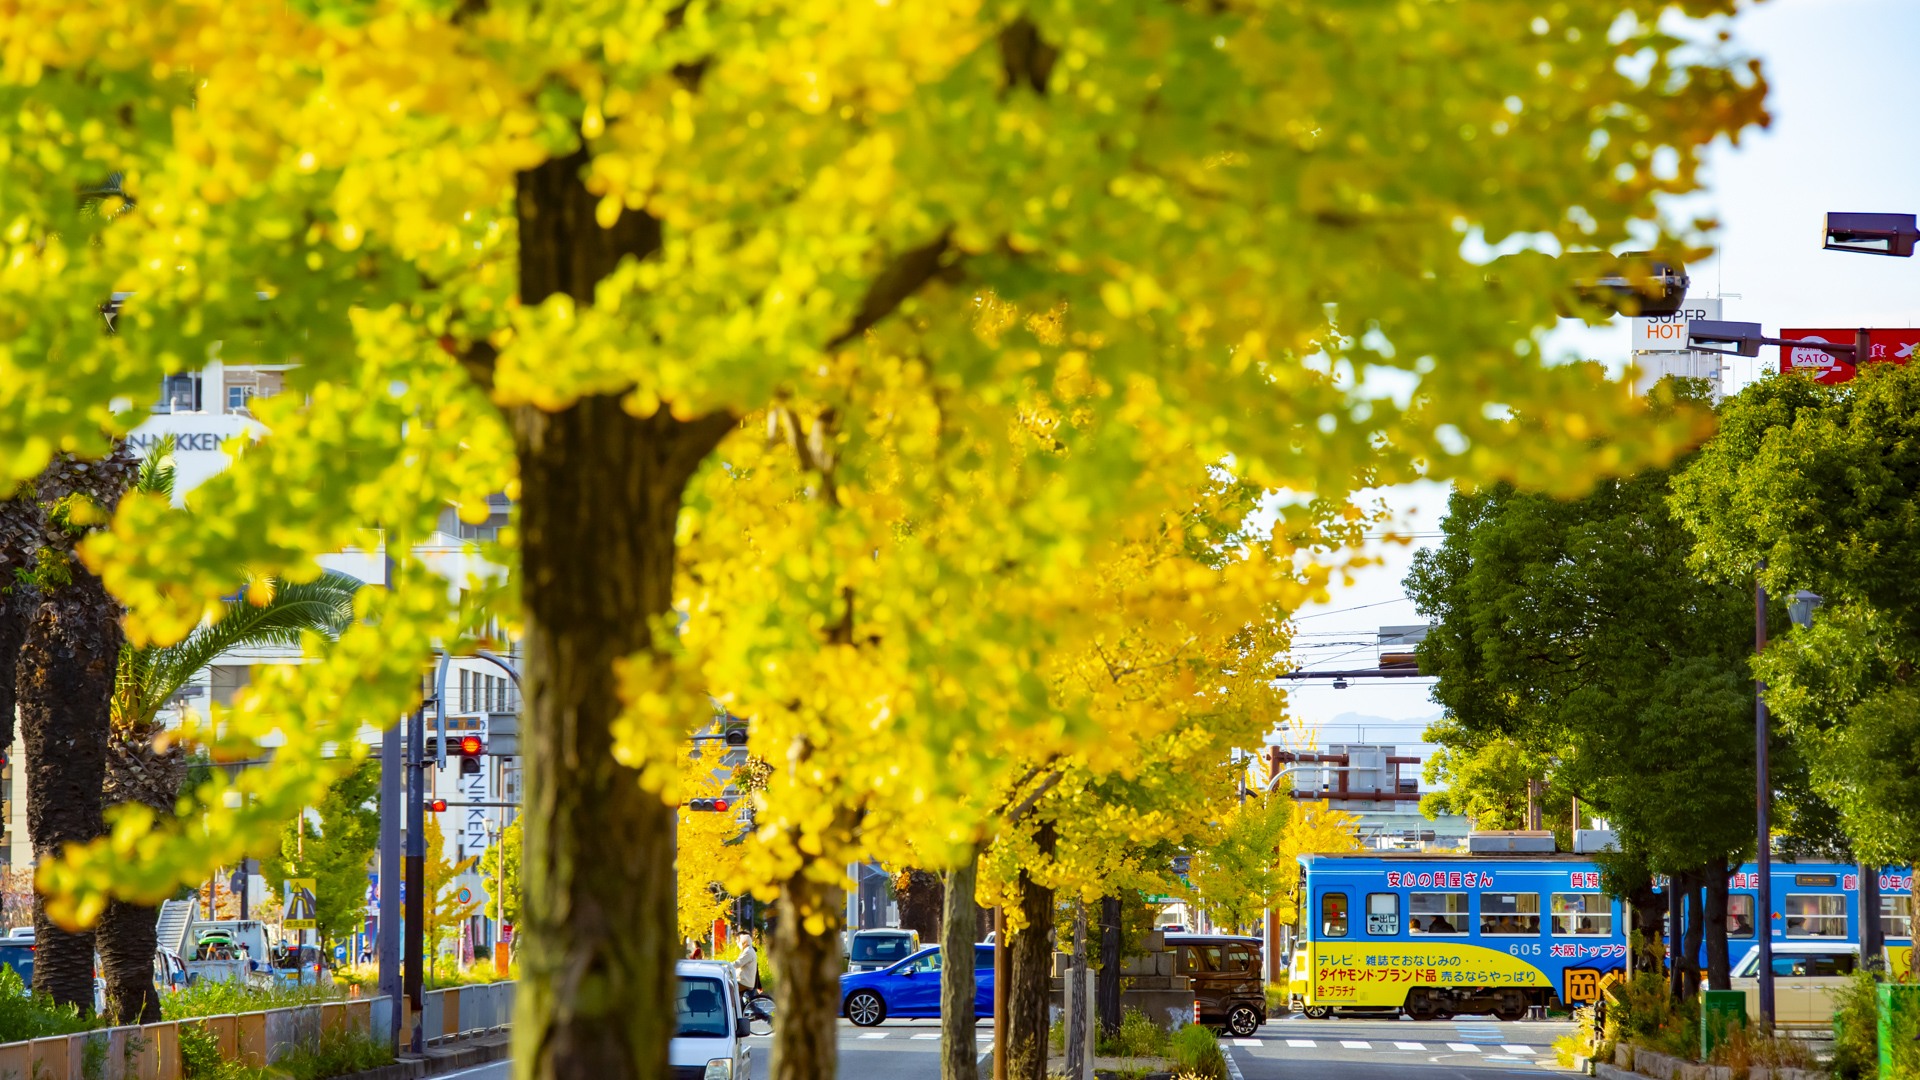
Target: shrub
22 1017
1583 1042
338 1054
1195 1051
211 997
1645 1014
1856 1024
1745 1047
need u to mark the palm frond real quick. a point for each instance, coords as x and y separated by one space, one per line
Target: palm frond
149 676
156 469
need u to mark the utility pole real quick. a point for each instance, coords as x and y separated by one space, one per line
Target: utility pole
416 870
1762 801
388 945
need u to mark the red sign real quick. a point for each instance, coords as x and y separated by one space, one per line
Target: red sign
1895 345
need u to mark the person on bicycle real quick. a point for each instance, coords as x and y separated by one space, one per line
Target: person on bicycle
746 966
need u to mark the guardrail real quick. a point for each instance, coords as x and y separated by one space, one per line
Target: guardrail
255 1039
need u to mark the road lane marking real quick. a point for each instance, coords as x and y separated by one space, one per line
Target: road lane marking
925 1036
1511 1049
1304 1044
877 1035
1355 1044
1465 1048
1246 1042
1410 1046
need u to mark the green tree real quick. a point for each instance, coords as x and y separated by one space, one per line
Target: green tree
445 911
568 250
1574 632
490 876
1822 486
334 850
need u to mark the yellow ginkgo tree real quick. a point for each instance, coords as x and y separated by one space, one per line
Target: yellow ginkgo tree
568 250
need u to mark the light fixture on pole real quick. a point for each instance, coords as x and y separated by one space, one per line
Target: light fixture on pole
1871 234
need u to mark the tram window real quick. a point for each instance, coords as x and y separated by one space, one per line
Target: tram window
1333 914
1579 915
1816 915
1437 913
1739 915
1383 914
1896 916
1510 913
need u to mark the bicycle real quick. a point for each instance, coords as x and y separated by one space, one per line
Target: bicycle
759 1006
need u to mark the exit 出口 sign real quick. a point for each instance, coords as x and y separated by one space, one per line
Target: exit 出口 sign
1895 346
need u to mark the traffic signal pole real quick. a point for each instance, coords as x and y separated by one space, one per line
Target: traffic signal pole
388 945
416 869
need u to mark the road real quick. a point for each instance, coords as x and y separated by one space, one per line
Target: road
1294 1048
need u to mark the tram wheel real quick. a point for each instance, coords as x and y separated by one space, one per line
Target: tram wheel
1510 1013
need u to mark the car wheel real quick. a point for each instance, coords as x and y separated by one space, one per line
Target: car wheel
1243 1021
865 1008
1316 1012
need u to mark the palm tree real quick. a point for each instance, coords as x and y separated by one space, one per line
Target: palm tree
141 769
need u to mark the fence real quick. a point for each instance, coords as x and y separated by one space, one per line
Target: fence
255 1039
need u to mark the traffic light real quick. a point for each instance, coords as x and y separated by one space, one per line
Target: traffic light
436 805
736 736
708 805
470 748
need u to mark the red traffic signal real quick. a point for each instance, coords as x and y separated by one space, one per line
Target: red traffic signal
436 805
708 805
470 745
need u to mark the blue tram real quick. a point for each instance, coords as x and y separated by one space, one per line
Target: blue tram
1436 934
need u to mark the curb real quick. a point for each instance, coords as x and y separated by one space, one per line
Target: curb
437 1060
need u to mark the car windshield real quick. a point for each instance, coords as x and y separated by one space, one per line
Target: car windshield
702 1009
20 959
887 947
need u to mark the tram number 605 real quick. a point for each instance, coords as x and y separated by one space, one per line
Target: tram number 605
1523 950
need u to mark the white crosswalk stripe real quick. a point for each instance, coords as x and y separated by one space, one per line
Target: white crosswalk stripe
1247 1042
876 1035
1410 1046
925 1036
1355 1044
1304 1044
1511 1049
1467 1048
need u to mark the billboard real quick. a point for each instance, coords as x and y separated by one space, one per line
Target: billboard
1896 346
1668 333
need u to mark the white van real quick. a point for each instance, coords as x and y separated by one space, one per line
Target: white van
711 1042
1806 975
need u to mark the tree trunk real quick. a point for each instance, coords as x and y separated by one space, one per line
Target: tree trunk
1719 961
806 996
601 491
1076 995
1645 908
1031 976
65 686
1107 987
959 1054
128 933
920 897
1696 926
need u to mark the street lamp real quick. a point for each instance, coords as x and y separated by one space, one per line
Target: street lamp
1871 234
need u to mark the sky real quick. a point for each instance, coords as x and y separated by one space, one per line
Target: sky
1844 94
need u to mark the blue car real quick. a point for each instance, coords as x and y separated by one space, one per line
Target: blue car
911 988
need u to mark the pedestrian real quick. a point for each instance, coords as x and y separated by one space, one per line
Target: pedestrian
696 952
746 966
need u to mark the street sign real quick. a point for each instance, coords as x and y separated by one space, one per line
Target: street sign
1895 345
300 914
1668 333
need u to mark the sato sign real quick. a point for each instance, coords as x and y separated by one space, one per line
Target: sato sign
1830 368
1668 333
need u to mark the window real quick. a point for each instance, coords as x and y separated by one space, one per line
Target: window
1816 915
881 947
1739 915
1383 914
983 958
1896 916
929 963
1239 958
702 1009
1333 915
1437 913
1201 959
1580 915
237 397
1510 913
1812 964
